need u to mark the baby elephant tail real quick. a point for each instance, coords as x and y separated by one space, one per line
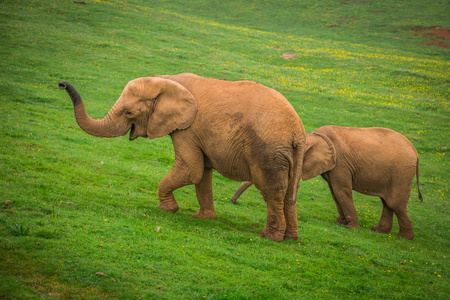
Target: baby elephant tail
418 185
240 190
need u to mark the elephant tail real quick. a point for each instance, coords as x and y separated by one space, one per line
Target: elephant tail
417 176
299 146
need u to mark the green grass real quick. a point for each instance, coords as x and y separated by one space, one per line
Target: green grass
83 220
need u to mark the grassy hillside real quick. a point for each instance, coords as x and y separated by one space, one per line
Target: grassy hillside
79 216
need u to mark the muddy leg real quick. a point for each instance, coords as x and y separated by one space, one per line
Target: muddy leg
290 212
290 209
276 222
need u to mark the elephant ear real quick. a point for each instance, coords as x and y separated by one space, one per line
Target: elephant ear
175 107
320 156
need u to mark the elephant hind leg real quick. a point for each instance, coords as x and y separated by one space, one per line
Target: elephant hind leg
290 211
274 194
276 222
385 223
396 204
404 222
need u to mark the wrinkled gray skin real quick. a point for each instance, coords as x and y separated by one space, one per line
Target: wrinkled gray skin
373 161
242 129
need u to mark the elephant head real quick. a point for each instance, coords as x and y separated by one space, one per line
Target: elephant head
148 107
320 156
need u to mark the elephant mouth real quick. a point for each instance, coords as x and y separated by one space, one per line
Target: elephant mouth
132 132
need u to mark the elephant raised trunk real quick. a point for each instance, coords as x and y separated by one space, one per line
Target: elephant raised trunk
105 127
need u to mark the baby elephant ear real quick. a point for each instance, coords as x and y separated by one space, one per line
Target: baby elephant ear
320 156
175 108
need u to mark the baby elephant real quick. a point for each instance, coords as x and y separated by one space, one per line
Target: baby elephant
373 161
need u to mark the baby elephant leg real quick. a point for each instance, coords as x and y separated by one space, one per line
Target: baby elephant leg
341 219
341 191
399 208
405 224
396 203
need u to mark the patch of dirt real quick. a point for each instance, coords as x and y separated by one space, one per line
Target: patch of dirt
437 36
442 45
289 55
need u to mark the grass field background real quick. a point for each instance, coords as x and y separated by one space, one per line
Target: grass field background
79 216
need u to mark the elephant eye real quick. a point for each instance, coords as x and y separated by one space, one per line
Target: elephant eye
128 113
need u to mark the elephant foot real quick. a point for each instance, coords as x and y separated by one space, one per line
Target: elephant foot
274 236
169 206
291 236
406 234
352 225
205 214
380 229
341 220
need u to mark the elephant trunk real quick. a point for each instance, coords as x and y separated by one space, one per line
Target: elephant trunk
105 127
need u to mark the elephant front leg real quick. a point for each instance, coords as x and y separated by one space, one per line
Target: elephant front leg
342 195
205 196
167 200
341 219
172 181
348 214
188 169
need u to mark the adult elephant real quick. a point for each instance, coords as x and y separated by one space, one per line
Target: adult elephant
244 130
373 161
